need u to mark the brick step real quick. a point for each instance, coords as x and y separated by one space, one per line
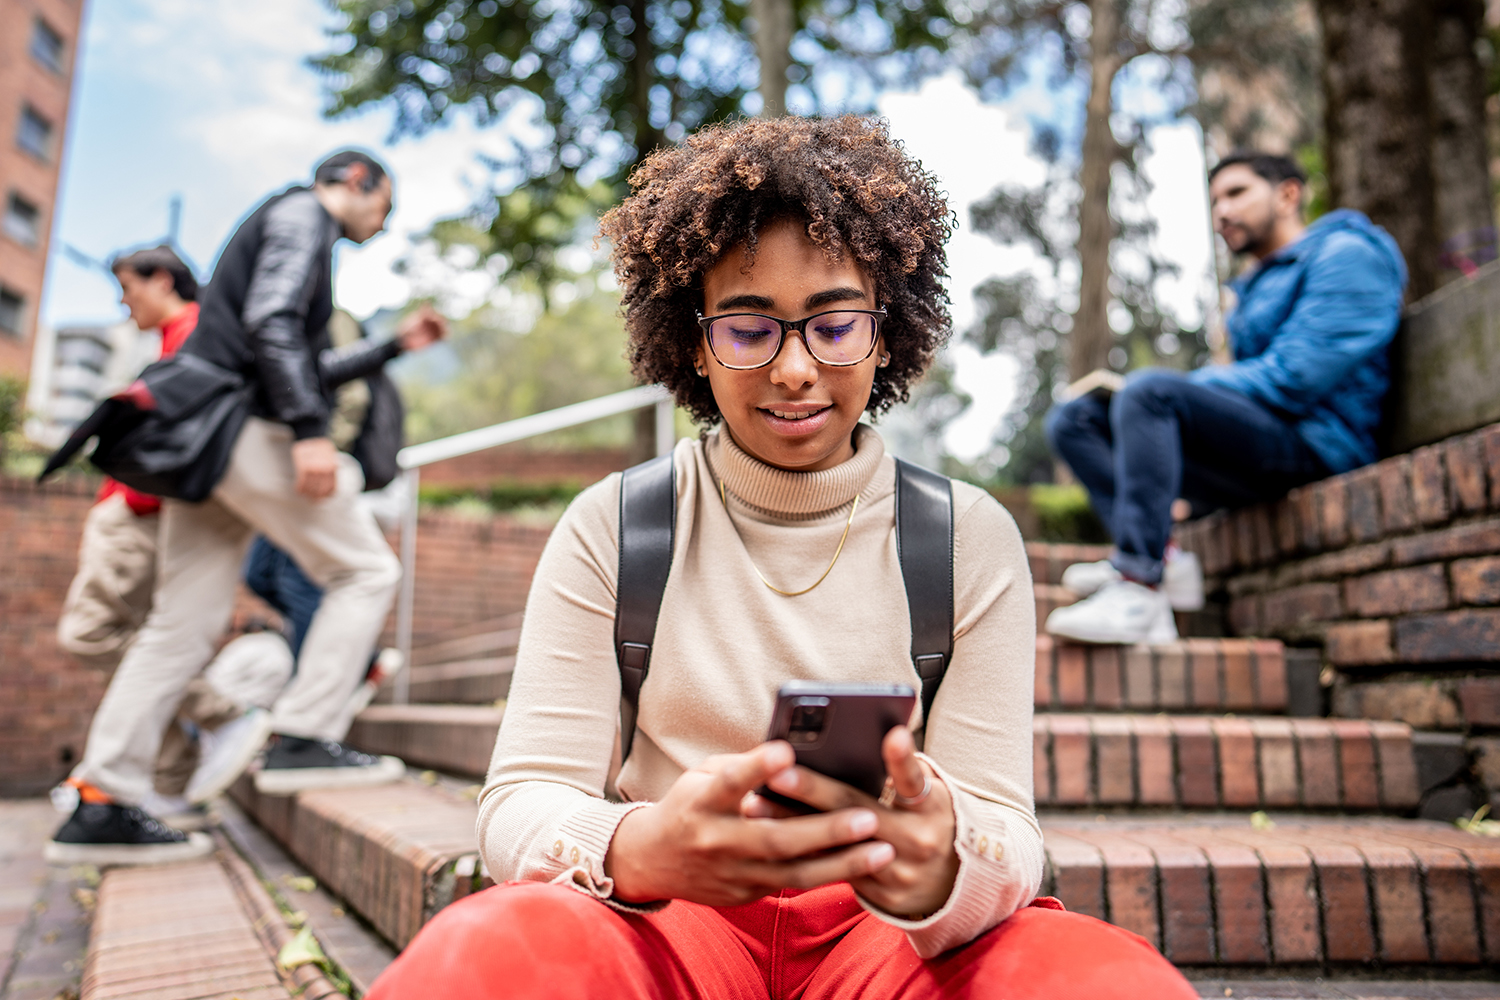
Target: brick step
1207 762
1214 890
463 682
197 929
396 854
1234 675
1049 559
1049 597
495 637
455 739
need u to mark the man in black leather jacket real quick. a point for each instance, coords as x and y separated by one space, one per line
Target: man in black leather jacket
264 314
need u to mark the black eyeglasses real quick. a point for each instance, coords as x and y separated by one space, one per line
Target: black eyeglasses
840 337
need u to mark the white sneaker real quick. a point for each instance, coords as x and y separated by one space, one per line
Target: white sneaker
175 811
1181 579
226 752
1120 612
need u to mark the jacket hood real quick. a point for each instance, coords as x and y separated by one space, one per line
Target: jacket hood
1347 220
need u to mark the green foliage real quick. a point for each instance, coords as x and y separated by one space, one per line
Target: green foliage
572 353
1065 515
1319 202
12 406
602 84
503 495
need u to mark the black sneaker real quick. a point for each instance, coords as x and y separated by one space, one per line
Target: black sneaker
293 764
106 833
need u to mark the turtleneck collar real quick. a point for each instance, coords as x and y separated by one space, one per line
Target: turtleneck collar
798 494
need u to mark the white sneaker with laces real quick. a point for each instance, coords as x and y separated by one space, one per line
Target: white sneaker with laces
1120 612
1181 579
226 752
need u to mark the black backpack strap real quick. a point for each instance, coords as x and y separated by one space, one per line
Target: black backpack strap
648 521
924 542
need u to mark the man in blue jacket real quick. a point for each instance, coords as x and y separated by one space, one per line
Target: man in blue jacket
1300 402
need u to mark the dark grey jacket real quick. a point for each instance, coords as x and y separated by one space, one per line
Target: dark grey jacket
265 314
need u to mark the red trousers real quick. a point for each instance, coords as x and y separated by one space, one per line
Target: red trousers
532 939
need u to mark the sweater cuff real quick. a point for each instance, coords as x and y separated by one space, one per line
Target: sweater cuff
309 427
991 870
578 853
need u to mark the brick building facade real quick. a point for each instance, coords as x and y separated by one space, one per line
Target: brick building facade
38 56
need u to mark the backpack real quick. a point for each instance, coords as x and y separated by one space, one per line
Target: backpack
382 434
648 515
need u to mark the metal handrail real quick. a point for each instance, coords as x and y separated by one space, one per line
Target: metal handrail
414 457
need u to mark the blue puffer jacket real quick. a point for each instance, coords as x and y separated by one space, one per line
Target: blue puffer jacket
1311 331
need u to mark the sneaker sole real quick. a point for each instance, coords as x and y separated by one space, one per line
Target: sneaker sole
198 845
291 780
1158 635
214 786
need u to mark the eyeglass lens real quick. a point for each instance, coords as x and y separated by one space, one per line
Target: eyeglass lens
745 340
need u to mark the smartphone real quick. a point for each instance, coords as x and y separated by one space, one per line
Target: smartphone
836 730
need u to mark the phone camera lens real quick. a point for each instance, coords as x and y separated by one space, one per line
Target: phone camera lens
807 723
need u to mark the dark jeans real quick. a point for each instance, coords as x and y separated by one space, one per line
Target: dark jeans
1164 437
280 582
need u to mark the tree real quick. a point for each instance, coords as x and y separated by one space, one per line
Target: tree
1404 113
606 83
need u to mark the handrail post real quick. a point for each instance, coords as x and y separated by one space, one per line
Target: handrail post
666 425
406 603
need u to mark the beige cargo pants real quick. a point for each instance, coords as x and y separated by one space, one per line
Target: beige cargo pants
336 543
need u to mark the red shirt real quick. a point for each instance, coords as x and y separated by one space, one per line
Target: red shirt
173 332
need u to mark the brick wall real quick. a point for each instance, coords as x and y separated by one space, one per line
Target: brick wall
1394 571
467 571
520 464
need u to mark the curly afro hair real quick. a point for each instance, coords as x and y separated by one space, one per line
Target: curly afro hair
854 187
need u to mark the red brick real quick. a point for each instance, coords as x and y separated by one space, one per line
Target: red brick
1187 908
1317 750
1245 615
1454 635
1393 477
1077 874
1398 769
1356 749
1038 557
1270 674
1238 770
1483 855
1476 539
1452 920
1347 926
1140 677
1489 440
1397 591
1171 676
1363 487
1464 459
1291 892
1358 643
1288 531
1042 697
1336 565
1072 676
1239 896
1130 881
1309 522
1239 675
1476 581
1203 672
1113 760
1429 486
1216 554
1312 602
1197 763
1277 752
1041 761
1264 532
1070 759
1397 885
1154 760
1104 674
1480 699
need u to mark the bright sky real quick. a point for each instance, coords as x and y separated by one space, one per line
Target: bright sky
216 103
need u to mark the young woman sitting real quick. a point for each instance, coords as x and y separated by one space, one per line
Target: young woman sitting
782 278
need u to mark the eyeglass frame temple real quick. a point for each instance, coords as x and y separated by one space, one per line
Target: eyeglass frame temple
798 326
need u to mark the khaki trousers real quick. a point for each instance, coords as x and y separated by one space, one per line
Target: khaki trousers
106 605
336 543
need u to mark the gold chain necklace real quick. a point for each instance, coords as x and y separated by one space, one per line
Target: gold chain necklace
724 496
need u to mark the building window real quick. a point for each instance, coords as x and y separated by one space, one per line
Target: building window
22 221
46 46
35 133
12 306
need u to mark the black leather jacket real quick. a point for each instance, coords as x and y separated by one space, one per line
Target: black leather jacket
265 314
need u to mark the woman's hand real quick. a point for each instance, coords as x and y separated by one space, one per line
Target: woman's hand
698 844
920 879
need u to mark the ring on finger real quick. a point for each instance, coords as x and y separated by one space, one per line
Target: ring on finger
889 796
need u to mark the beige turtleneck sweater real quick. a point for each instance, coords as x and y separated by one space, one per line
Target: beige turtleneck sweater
725 644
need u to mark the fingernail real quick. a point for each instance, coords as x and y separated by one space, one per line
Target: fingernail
880 855
862 823
783 781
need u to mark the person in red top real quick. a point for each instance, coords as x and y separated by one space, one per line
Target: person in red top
111 595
